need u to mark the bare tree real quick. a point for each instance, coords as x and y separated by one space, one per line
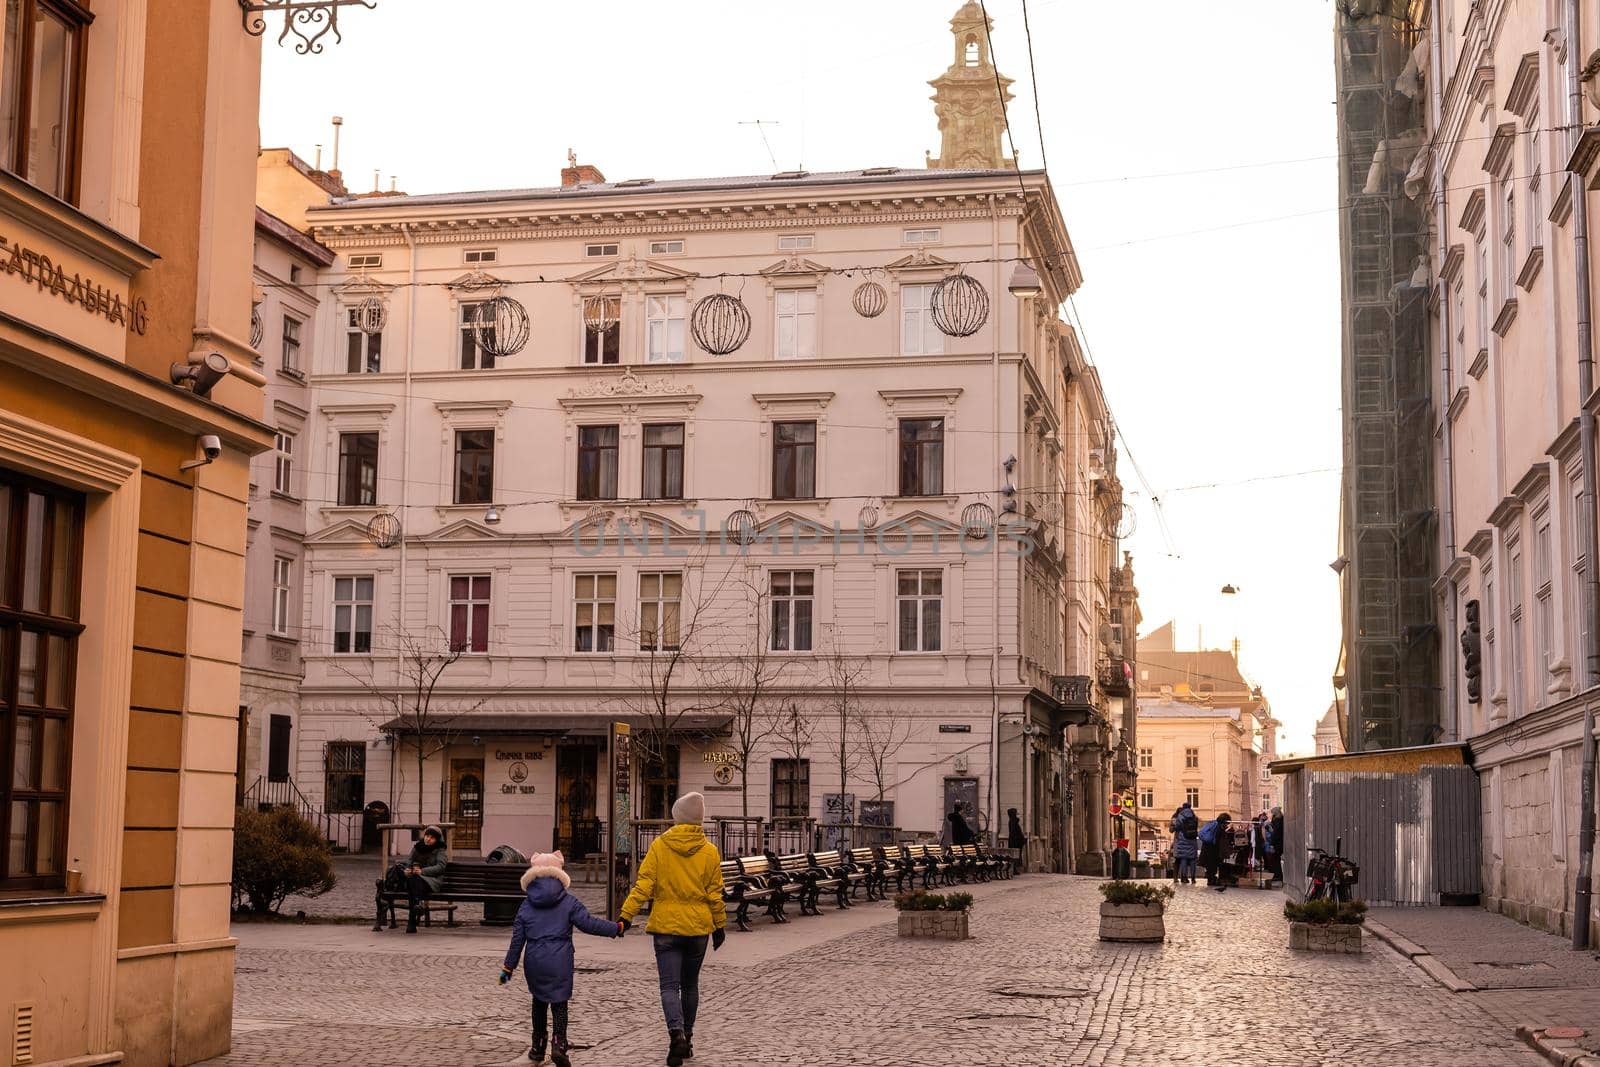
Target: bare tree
414 716
792 726
675 625
880 735
844 676
746 675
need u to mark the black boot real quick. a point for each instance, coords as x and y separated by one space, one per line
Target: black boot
678 1051
558 1052
688 1044
536 1053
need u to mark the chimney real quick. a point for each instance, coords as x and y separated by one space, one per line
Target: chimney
576 174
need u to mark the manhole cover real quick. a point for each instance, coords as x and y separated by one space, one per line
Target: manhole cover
1565 1033
1508 965
989 1017
1041 993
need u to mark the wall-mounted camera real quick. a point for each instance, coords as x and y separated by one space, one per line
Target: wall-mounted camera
210 447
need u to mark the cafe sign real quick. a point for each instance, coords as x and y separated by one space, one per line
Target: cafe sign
37 270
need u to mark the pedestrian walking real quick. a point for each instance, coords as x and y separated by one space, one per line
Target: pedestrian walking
1185 843
1214 837
1275 845
682 878
960 832
542 938
1016 840
424 872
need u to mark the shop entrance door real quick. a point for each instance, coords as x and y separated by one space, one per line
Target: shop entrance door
577 830
466 803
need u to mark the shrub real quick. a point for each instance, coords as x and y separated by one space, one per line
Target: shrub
919 900
1123 892
1327 912
275 854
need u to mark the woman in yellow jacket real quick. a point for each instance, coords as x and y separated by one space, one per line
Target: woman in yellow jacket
682 876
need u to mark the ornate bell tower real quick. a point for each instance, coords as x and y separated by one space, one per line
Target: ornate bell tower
968 102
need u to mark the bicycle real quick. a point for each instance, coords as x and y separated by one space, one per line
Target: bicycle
1331 875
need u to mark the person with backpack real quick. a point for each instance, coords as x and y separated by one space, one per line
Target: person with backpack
542 938
1214 837
1185 843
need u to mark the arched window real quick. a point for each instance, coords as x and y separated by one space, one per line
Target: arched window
972 51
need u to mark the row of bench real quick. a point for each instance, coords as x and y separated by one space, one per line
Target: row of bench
772 881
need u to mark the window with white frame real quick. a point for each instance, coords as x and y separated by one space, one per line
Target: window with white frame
283 463
597 462
1544 602
1508 239
1147 758
352 614
664 328
469 612
1517 677
1458 307
291 344
594 612
366 260
918 334
796 313
662 476
926 236
363 350
920 595
600 251
358 469
282 574
1483 297
666 248
792 593
1577 552
660 604
477 331
1191 796
794 460
602 329
1536 209
479 256
1147 798
796 242
921 457
1191 759
1487 622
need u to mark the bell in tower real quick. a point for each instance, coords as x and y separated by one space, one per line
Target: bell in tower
968 100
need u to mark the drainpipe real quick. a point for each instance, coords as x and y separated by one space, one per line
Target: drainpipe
405 486
1455 729
994 650
1582 890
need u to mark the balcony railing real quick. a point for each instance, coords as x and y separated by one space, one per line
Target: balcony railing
1115 677
1073 690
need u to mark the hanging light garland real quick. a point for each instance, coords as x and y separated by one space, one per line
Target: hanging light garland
383 529
503 326
370 316
741 527
960 306
870 300
257 328
598 313
720 324
977 521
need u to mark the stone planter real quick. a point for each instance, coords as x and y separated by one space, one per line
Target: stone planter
1132 922
940 925
1332 937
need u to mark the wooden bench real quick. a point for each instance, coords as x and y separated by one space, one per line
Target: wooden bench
998 863
930 861
836 875
871 865
799 879
749 880
464 882
973 862
898 867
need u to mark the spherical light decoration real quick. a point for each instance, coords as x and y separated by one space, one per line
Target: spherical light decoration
870 300
741 527
383 529
720 324
960 306
504 326
597 312
370 316
868 515
1120 521
257 328
977 521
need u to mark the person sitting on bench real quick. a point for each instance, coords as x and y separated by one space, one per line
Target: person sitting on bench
424 870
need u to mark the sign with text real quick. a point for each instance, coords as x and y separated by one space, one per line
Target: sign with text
619 847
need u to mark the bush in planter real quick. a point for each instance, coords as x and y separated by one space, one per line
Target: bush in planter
276 854
919 900
1122 892
1327 912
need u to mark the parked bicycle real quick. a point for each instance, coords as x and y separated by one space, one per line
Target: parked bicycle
1330 876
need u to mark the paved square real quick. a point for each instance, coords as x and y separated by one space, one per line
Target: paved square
1033 987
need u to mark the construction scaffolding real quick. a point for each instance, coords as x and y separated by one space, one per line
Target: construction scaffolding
1388 513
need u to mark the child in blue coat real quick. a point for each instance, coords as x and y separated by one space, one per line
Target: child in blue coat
542 937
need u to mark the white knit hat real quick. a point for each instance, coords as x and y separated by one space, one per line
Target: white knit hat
690 808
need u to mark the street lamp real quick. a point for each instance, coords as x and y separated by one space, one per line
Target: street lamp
492 516
1025 281
1230 590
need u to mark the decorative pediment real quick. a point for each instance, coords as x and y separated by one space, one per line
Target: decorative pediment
632 270
343 532
784 402
921 259
358 288
918 522
477 281
1499 153
618 528
627 385
1524 86
462 530
1472 214
795 265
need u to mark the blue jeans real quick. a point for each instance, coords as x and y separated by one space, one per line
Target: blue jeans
1186 868
678 962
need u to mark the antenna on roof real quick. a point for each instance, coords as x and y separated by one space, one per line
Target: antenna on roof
338 122
761 125
319 157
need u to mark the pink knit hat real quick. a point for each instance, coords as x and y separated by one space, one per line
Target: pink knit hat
547 859
546 865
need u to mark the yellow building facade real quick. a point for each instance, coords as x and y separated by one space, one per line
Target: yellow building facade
126 216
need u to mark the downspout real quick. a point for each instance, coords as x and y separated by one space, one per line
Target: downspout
1582 889
994 650
405 489
1454 730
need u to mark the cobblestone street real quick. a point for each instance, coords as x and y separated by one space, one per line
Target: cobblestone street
1033 987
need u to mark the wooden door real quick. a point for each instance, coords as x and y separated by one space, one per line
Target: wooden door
466 803
577 829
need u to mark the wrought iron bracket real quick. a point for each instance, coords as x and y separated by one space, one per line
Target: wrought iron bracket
308 20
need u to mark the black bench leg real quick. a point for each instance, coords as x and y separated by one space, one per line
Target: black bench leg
741 918
377 909
844 895
775 907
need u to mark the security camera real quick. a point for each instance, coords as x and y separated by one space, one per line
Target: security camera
203 376
210 446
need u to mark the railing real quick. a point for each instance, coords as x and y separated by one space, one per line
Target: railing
789 834
1073 689
740 835
342 830
854 835
1114 677
644 832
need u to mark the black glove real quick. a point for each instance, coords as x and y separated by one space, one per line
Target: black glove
717 938
627 924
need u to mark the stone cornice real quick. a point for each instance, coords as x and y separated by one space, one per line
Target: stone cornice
1500 145
1452 263
1531 484
1480 543
1524 85
1472 212
1566 443
1508 315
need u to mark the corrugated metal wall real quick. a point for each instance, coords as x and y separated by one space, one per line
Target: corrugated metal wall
1415 835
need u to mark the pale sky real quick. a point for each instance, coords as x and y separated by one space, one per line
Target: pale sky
1192 147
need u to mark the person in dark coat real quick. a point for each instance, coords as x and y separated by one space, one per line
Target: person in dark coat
1275 845
424 870
1215 836
960 832
1016 840
542 938
1185 843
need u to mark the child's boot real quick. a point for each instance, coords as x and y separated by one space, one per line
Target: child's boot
558 1051
536 1053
